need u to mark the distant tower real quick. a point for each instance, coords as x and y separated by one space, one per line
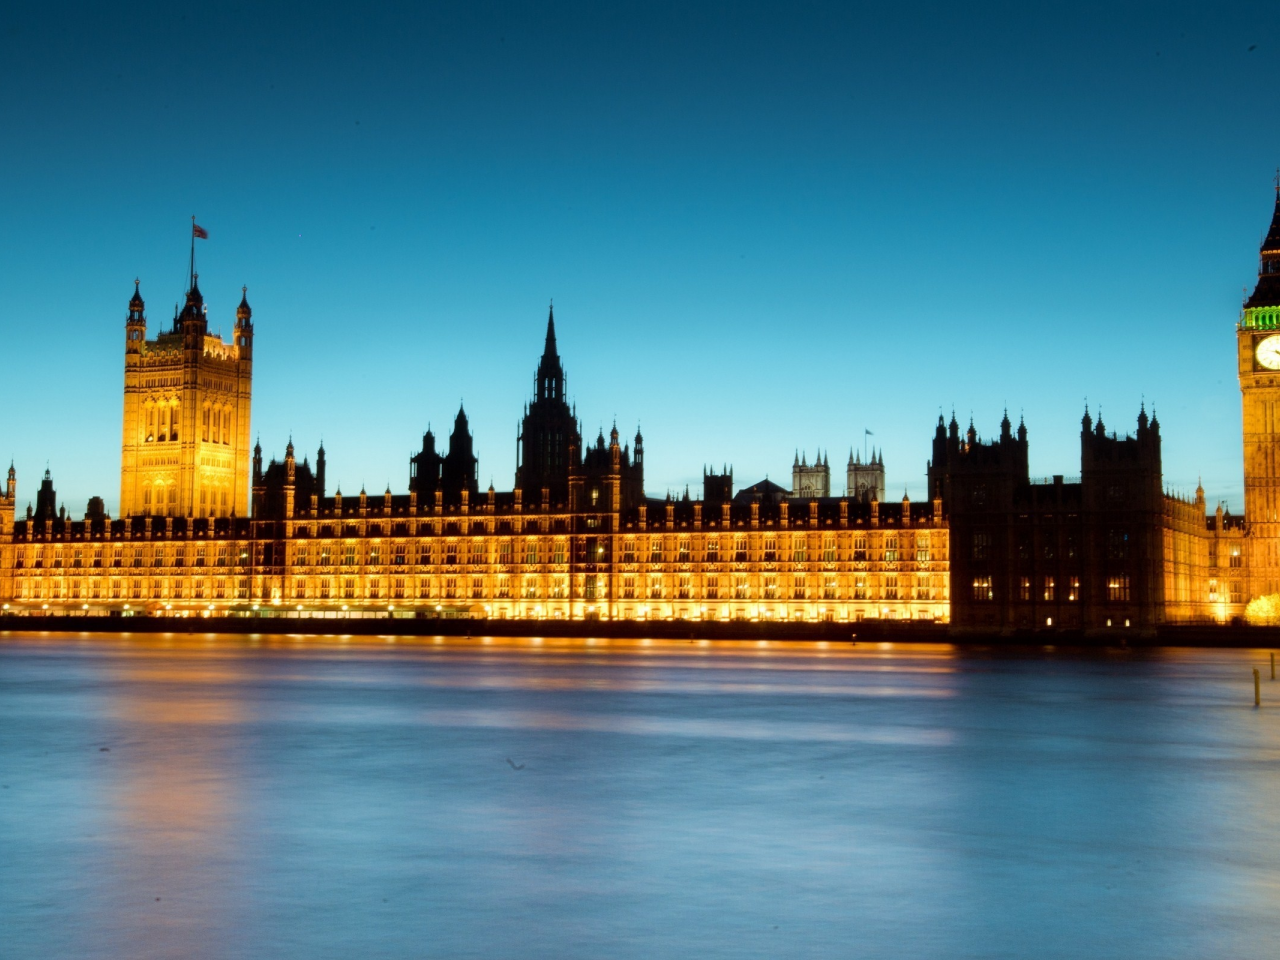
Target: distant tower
1258 357
458 469
46 499
185 448
865 481
811 481
717 487
547 428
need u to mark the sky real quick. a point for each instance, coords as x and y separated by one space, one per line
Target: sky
765 227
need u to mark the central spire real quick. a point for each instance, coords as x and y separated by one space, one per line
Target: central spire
550 352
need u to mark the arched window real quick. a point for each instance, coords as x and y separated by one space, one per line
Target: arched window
226 426
174 413
146 496
204 430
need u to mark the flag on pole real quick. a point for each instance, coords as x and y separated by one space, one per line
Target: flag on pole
199 231
868 433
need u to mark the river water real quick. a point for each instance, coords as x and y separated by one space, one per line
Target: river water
290 798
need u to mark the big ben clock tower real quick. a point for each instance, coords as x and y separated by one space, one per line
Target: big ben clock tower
1258 356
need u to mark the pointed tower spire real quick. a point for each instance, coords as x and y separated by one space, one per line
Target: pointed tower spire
1267 292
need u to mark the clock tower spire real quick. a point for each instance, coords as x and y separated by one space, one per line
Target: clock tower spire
1258 363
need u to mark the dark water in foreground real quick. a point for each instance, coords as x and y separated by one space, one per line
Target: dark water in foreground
674 800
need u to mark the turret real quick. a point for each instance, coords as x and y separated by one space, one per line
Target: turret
320 471
244 326
135 324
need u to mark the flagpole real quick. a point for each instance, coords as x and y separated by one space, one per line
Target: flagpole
193 252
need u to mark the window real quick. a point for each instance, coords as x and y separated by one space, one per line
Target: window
922 588
324 588
1236 595
740 549
859 588
450 588
922 550
348 554
505 552
589 586
451 552
890 549
771 587
400 555
982 589
299 588
349 588
300 556
740 589
891 587
204 425
829 586
860 547
324 555
770 549
477 551
504 587
980 546
655 549
530 588
799 548
713 588
1073 589
397 588
629 550
798 589
559 590
628 587
1118 589
1213 591
375 553
1234 559
828 549
683 587
713 550
1117 544
655 587
684 551
477 588
1024 588
558 554
1050 589
531 551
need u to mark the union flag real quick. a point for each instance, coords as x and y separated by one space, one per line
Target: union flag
199 231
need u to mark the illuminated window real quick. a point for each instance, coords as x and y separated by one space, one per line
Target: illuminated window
713 588
558 552
771 587
628 587
348 554
799 548
860 547
477 588
375 553
629 550
798 588
740 549
684 551
828 549
531 551
1024 588
559 588
713 550
891 550
1118 589
770 549
655 549
891 588
740 589
682 589
505 552
1050 591
1073 589
655 587
504 588
1237 595
477 551
922 588
859 588
829 586
982 589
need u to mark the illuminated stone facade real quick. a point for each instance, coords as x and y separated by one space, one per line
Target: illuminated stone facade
185 450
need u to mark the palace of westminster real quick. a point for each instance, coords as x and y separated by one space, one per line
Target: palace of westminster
206 528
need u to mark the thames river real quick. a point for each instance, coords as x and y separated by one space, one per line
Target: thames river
301 798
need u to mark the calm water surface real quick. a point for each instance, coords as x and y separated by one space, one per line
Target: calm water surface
223 797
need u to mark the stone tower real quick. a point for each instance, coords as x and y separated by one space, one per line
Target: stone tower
865 481
185 450
1258 360
811 481
547 428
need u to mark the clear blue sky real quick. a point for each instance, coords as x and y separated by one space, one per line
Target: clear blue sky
764 227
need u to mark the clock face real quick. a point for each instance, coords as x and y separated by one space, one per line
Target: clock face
1268 352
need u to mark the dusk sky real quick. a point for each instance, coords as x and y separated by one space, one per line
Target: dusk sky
764 227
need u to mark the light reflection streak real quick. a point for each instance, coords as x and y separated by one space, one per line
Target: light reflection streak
693 727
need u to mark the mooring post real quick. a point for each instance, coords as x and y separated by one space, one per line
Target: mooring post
1257 688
